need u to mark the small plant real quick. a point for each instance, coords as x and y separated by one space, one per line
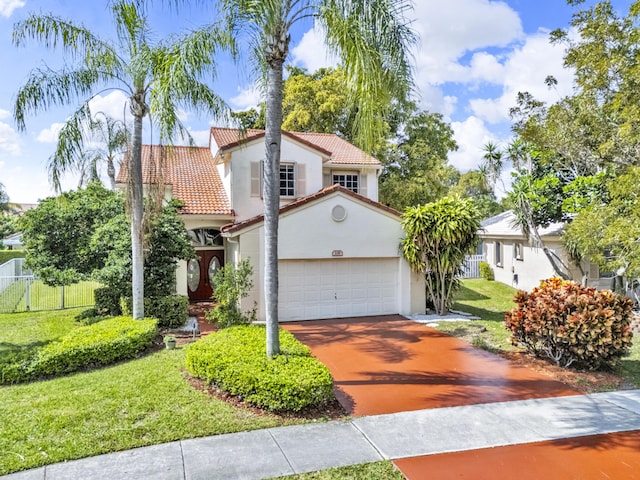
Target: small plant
170 342
234 359
486 271
572 325
232 285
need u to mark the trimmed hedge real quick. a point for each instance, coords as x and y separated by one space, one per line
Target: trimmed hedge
572 325
107 301
6 255
171 311
235 360
95 345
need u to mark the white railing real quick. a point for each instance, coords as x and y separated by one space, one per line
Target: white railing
10 271
471 266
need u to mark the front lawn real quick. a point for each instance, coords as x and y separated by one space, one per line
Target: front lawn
140 402
490 301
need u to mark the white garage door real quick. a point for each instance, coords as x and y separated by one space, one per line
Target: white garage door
312 289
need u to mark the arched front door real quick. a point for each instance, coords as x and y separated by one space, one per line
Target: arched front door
200 273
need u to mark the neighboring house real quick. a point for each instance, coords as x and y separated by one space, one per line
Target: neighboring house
12 242
338 247
517 263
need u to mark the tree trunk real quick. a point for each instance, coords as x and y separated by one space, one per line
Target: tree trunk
137 209
111 172
271 193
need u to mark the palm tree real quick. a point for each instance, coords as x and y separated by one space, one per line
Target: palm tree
110 138
157 79
371 37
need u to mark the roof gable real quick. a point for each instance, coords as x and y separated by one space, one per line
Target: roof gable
190 172
337 150
233 228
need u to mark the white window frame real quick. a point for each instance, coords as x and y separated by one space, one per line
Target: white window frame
341 179
517 251
289 188
497 252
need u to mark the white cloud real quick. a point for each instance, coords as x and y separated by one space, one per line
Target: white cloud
8 6
201 137
4 114
50 135
471 135
112 104
247 98
449 30
311 52
525 69
9 142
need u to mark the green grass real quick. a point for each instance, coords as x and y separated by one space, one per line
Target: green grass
44 297
23 331
489 301
367 471
141 402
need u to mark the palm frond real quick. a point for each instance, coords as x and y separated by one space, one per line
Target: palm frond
372 38
45 88
70 147
75 40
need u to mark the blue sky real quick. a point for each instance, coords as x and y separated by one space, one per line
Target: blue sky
473 58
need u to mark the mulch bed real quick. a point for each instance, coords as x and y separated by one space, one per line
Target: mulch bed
582 380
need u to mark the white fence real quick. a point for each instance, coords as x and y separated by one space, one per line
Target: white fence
21 291
10 271
471 266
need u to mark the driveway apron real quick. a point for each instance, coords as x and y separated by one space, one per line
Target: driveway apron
596 457
389 364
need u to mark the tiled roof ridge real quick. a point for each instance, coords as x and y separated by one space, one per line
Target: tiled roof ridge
234 227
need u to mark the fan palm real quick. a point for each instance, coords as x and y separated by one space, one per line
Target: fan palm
157 78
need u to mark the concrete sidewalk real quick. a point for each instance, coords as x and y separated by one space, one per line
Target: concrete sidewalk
305 448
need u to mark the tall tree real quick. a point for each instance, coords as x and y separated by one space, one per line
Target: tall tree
370 37
157 79
417 170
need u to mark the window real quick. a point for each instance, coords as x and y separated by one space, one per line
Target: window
287 180
350 181
517 251
498 254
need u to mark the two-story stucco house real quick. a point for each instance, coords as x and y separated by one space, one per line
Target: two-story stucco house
338 247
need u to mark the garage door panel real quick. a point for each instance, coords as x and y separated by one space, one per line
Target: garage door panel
338 288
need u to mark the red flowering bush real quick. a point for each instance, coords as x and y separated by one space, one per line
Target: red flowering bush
572 325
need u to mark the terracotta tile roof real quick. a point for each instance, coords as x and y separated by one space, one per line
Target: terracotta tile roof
339 151
192 175
234 227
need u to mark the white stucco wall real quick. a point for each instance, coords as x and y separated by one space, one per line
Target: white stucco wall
243 203
534 266
309 232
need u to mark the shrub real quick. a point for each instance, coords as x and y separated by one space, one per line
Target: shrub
231 285
95 345
6 255
486 271
572 325
235 360
171 311
107 301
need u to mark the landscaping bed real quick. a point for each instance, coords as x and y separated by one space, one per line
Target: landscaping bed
490 300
